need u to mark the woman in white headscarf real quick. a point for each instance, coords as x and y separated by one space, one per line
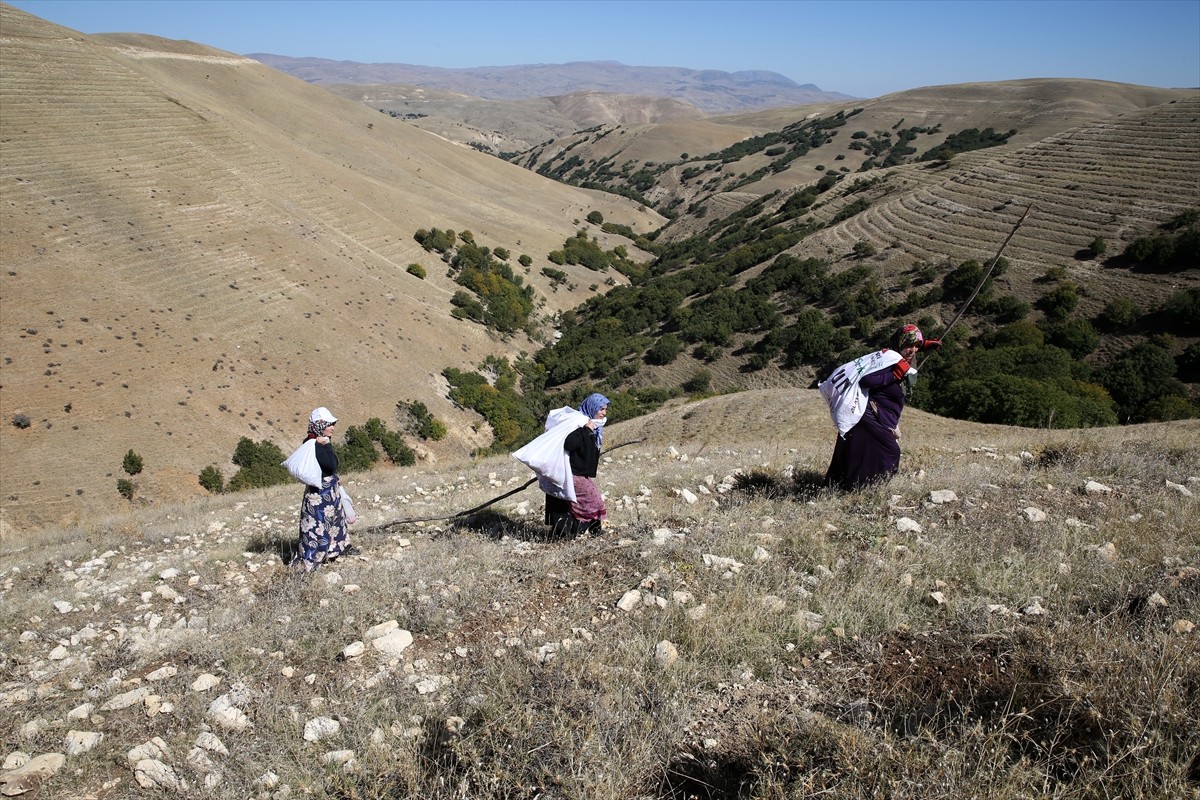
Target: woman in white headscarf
587 512
323 519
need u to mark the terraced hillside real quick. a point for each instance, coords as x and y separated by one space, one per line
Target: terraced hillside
197 248
697 172
903 230
1117 179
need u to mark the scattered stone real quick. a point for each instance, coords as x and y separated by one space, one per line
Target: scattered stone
630 600
14 760
353 650
156 748
1107 552
1156 600
383 628
63 607
153 774
717 563
81 712
1034 514
941 496
906 525
1093 487
162 673
1183 626
688 496
32 774
1179 487
207 740
205 682
666 654
761 554
774 605
393 643
936 599
79 742
226 715
126 699
321 728
811 620
1034 609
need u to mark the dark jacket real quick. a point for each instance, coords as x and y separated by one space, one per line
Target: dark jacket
583 451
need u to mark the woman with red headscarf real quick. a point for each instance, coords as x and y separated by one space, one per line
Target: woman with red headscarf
872 390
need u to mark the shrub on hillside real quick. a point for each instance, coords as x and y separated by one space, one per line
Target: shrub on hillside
131 463
1142 375
665 350
1117 315
211 480
416 270
260 464
21 421
1076 336
1182 310
1058 303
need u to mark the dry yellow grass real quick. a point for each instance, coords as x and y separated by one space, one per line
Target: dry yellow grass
807 656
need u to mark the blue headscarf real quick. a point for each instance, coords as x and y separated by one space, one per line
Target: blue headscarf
590 407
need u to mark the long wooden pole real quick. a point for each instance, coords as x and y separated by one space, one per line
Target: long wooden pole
986 275
389 525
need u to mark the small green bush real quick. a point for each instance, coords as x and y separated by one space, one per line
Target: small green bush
665 350
132 463
21 421
212 480
260 465
698 382
417 270
125 488
1059 302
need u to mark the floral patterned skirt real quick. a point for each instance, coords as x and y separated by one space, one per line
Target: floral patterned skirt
323 535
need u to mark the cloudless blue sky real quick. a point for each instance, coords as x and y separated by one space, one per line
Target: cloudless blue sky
864 48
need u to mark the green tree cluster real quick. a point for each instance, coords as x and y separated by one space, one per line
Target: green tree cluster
501 299
514 417
417 419
260 464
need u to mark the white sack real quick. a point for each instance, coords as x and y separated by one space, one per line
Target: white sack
847 400
302 464
545 454
347 506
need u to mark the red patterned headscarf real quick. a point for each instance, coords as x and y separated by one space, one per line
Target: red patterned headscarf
907 336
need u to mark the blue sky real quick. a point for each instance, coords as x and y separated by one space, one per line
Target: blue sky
864 48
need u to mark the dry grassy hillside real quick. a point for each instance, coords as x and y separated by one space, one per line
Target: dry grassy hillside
509 126
1012 616
197 248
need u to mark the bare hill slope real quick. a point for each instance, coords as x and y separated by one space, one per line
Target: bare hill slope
198 248
510 126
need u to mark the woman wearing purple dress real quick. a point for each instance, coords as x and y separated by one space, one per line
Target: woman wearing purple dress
869 452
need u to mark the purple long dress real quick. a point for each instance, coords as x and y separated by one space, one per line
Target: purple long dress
869 452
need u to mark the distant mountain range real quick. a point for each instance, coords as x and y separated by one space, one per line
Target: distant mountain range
711 91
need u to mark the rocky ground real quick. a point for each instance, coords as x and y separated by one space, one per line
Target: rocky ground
1001 620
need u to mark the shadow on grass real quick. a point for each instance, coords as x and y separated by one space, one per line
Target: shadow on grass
287 548
496 526
803 486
